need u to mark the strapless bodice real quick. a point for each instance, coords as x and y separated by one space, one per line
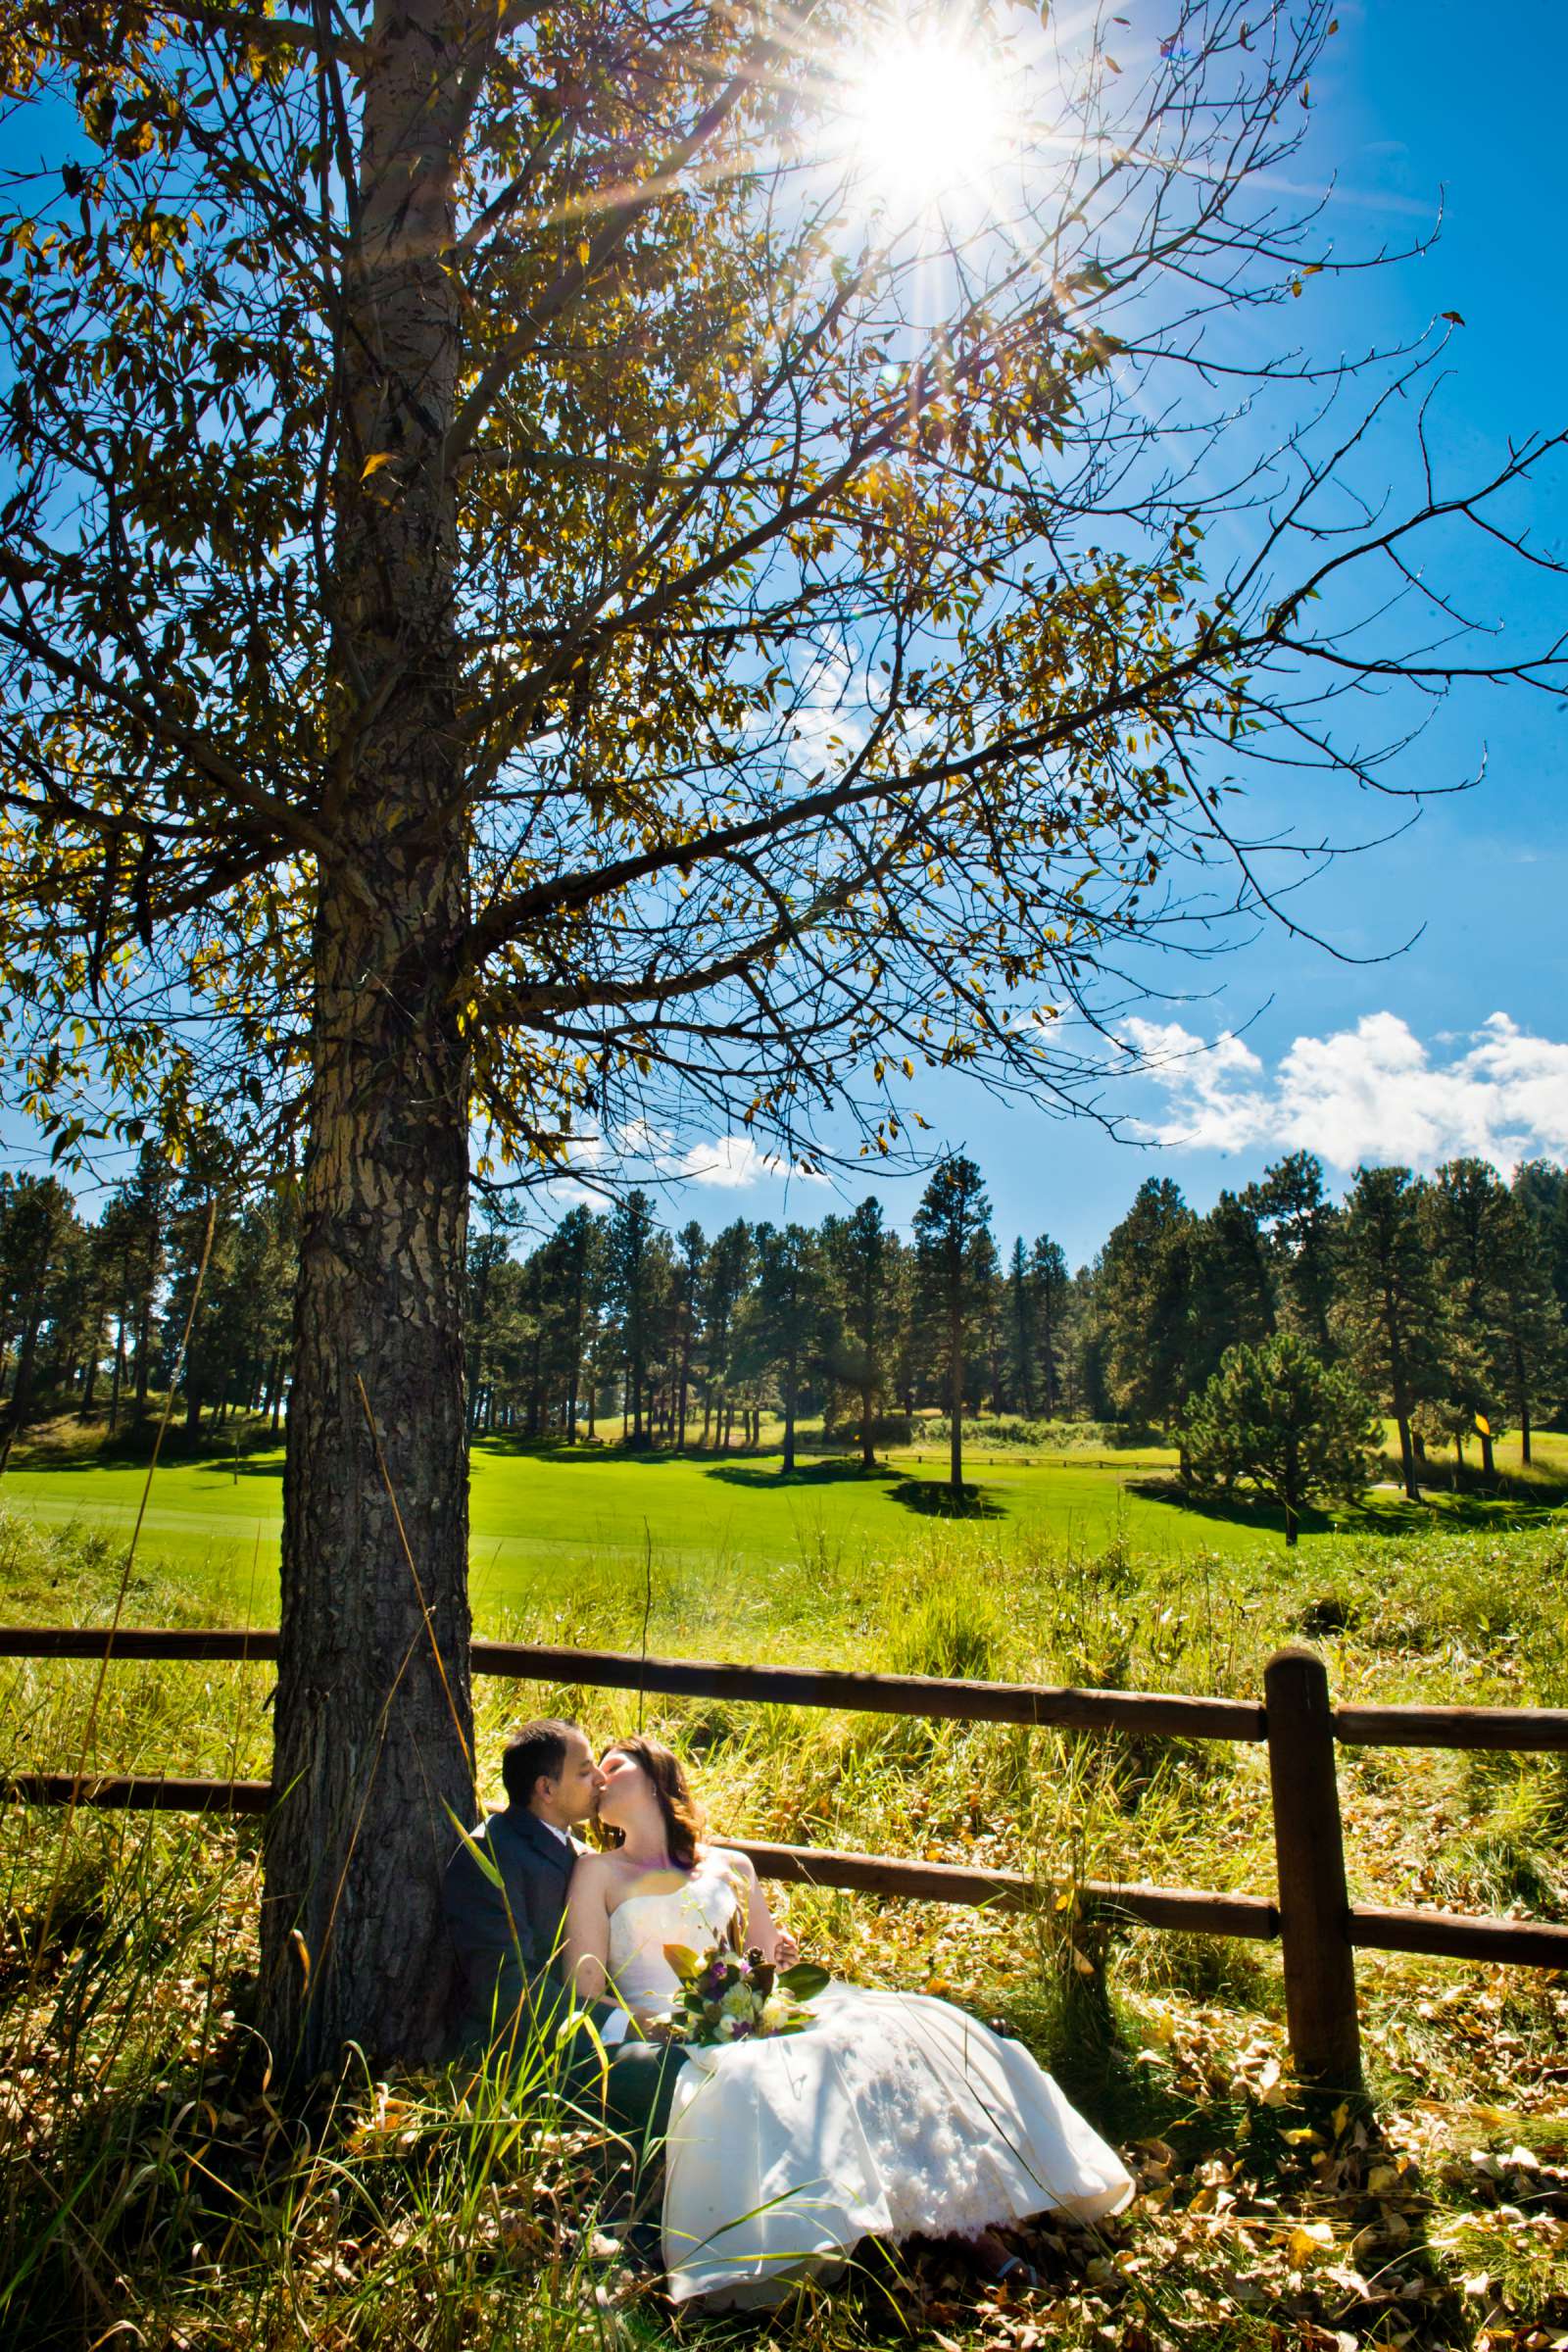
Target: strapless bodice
695 1915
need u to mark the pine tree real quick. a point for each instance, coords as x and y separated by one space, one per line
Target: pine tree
1461 1210
1231 1297
1144 1289
1300 1227
726 1277
37 1217
1023 1333
1528 1319
789 1315
691 1260
863 1258
1050 1286
1274 1414
1388 1309
956 1261
489 1247
628 1289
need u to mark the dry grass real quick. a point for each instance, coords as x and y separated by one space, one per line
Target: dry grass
155 2193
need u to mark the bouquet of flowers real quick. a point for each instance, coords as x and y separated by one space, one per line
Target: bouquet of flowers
737 1996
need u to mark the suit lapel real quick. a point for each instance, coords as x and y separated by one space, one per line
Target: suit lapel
542 1841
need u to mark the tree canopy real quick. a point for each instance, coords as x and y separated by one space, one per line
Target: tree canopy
834 674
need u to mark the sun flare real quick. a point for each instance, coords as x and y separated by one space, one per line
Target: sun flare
927 117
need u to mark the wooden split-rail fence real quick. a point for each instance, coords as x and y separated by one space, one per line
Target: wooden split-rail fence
1318 1926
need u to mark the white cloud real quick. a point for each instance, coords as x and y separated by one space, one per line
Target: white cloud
829 722
734 1162
1373 1093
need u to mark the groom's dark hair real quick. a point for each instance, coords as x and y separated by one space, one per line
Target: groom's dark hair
536 1752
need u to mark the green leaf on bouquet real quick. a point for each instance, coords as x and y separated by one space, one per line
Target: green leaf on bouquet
686 1963
805 1980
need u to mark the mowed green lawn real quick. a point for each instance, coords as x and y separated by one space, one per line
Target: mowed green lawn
568 1537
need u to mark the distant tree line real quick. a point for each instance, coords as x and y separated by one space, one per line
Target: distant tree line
1443 1297
92 1315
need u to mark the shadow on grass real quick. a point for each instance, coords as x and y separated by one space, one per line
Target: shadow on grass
1377 1516
935 1498
507 1446
260 1453
838 1472
1236 1510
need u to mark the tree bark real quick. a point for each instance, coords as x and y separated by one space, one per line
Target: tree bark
373 1716
955 1402
119 1374
21 1393
89 1383
787 1463
1401 1401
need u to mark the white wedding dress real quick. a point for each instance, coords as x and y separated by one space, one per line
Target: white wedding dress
891 2115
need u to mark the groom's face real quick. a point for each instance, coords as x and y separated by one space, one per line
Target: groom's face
570 1797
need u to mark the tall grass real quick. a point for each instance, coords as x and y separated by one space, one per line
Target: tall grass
155 2192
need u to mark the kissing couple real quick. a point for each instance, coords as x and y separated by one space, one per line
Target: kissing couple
892 2116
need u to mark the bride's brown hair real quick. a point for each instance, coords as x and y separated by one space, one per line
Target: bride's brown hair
678 1808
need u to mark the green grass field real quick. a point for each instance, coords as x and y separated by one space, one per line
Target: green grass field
556 1529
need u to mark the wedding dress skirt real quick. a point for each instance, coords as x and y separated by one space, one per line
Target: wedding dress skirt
891 2115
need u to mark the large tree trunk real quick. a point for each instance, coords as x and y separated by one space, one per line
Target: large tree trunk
21 1394
787 1463
1400 1400
89 1383
119 1374
372 1718
956 1403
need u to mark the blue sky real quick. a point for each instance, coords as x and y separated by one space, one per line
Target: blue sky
1356 1049
1461 1042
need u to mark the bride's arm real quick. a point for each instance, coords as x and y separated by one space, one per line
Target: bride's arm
762 1931
587 1951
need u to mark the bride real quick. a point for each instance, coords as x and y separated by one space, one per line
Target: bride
893 2115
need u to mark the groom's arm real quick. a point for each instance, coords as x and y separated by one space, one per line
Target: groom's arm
492 1933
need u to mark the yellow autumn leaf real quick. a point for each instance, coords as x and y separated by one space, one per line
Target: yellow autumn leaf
1306 2241
1484 1425
383 457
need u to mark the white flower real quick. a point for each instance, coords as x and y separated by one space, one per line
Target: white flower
738 2001
726 2029
776 2012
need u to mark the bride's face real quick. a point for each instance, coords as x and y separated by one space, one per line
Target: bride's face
625 1791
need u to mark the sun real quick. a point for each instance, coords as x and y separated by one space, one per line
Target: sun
926 117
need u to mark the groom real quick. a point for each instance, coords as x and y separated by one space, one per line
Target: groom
509 1937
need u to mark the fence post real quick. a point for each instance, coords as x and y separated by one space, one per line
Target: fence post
1314 1902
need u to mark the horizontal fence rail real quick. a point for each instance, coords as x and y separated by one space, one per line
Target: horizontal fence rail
1171 1714
1535 1729
1319 1929
1163 1713
1195 1911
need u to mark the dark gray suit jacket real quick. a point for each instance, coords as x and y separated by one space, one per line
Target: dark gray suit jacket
508 1937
